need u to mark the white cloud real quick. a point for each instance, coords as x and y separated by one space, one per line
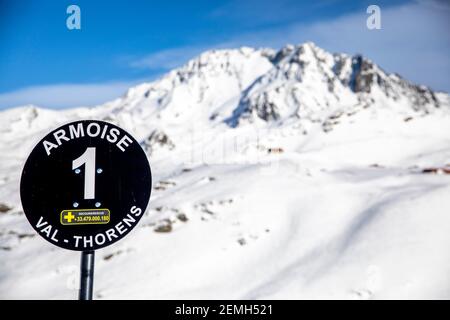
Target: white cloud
167 59
65 95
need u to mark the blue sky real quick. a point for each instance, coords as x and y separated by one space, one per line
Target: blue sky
123 43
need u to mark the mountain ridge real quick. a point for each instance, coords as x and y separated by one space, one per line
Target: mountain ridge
341 79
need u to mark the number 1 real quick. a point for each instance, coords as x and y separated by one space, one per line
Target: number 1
88 159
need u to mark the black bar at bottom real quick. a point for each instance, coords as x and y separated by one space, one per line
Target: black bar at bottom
87 275
236 309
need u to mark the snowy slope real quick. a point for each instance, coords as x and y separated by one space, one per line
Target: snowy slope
278 174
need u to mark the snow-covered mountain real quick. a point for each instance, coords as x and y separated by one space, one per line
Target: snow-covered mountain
278 174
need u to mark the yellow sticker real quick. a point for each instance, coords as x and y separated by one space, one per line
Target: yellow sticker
84 216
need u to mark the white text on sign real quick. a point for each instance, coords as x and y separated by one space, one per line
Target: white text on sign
99 239
93 130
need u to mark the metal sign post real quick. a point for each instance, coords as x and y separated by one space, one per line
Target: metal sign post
86 275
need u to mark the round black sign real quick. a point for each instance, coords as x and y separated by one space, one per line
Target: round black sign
85 185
